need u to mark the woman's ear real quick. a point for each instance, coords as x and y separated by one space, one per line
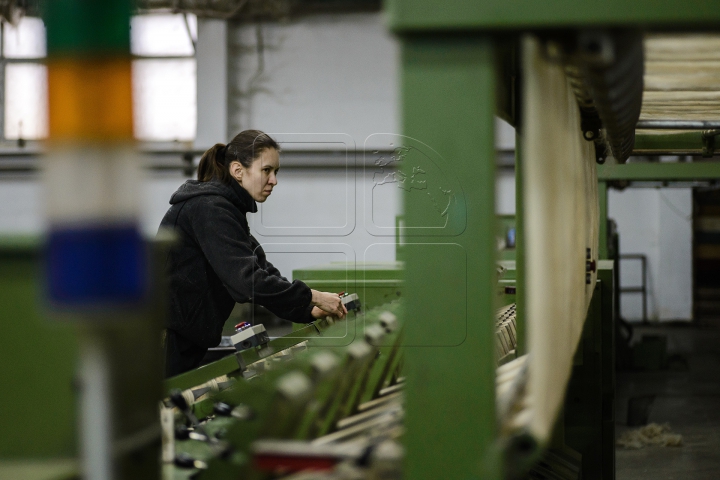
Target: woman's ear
236 171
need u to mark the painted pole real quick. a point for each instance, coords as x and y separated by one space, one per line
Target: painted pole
95 259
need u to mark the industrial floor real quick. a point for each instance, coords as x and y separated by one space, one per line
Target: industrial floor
686 396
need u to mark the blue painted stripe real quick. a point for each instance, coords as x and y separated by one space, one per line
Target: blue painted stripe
96 265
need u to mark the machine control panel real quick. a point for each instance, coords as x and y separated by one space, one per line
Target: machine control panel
249 336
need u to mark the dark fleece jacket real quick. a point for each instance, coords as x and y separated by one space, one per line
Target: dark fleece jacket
216 263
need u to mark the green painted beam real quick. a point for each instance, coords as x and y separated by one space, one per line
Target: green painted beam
203 374
232 363
589 414
39 469
20 245
603 216
660 171
455 15
519 247
448 105
685 142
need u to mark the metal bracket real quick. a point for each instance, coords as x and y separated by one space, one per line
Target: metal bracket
600 151
590 266
708 142
590 124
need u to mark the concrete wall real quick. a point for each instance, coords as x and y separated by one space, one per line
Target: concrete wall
320 74
658 224
20 205
307 199
323 74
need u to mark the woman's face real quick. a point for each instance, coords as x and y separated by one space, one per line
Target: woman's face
261 177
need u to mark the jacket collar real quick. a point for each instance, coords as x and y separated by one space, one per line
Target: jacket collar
245 202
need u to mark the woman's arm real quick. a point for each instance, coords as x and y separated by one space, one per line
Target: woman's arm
228 249
327 299
324 303
272 270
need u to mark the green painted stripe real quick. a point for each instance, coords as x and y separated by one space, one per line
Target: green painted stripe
230 364
20 245
685 141
87 27
660 171
196 377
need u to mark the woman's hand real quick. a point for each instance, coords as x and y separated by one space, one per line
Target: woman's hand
318 312
330 303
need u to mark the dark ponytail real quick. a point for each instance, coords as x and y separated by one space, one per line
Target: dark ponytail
212 165
245 148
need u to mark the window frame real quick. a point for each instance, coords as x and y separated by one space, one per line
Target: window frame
4 61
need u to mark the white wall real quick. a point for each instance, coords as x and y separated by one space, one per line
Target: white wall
505 192
330 207
676 275
317 75
303 198
212 82
325 74
657 223
20 205
321 74
505 177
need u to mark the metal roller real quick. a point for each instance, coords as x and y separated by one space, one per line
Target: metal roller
605 70
617 87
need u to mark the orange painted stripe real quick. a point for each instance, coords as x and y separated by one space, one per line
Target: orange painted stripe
90 99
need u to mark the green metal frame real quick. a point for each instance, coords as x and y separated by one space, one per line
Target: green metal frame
602 214
647 172
449 91
448 102
361 371
520 247
589 414
234 364
376 283
428 15
670 171
695 143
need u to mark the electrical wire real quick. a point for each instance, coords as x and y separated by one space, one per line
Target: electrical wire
675 209
189 32
260 50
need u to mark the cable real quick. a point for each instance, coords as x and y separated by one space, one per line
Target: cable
674 209
187 27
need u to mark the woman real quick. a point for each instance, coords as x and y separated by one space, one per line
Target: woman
216 263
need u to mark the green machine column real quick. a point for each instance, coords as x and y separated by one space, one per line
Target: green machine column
603 217
521 348
448 102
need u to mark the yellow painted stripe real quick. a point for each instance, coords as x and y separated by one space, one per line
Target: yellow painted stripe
90 99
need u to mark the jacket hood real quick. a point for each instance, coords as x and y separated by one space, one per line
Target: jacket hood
233 192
